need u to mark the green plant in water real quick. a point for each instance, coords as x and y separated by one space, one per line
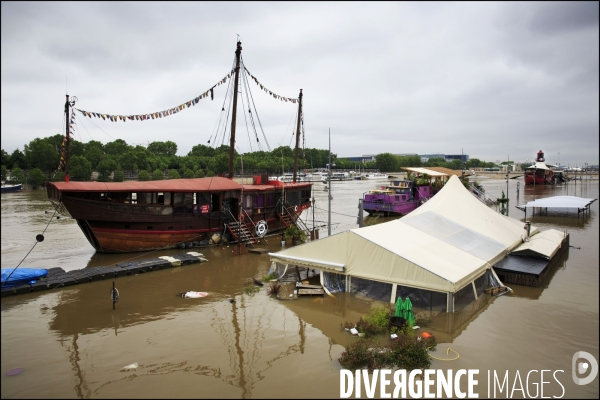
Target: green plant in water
503 203
269 277
251 289
295 233
404 352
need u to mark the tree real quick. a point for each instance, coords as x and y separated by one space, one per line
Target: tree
116 148
5 158
163 149
94 155
36 177
199 174
17 176
4 172
173 174
158 175
143 175
119 176
17 159
80 169
387 162
105 168
58 176
189 173
40 153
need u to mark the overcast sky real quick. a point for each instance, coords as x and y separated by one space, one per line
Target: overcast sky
494 80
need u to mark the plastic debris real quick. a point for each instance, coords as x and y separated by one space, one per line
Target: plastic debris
416 327
354 331
130 367
193 295
15 371
393 336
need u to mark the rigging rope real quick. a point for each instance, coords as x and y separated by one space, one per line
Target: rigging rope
157 114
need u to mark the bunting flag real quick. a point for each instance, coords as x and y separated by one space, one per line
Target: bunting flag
262 87
157 114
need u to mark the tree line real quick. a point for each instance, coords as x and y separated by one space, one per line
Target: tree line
39 160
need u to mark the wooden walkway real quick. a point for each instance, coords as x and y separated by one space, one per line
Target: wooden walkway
57 277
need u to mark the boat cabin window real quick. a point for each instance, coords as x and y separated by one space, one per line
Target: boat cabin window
133 198
183 202
270 200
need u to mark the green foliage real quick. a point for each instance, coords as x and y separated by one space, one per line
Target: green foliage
158 175
173 174
17 159
17 176
270 276
165 149
80 169
189 173
106 167
387 162
503 203
94 155
40 153
4 171
36 177
116 148
251 289
5 157
294 232
404 352
143 175
119 176
380 317
58 176
199 174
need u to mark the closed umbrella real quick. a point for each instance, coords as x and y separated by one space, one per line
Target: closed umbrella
410 317
399 307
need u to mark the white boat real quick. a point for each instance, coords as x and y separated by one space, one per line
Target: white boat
375 175
336 176
289 177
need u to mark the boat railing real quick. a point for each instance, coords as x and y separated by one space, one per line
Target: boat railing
295 218
485 199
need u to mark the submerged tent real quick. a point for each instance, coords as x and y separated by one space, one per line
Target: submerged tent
442 246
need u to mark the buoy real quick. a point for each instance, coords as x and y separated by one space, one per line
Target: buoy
426 335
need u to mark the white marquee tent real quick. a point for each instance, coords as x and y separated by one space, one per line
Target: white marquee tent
442 246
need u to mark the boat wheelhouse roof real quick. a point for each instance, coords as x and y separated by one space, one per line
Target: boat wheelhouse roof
427 171
538 165
213 184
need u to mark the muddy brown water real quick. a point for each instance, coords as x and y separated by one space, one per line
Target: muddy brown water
71 343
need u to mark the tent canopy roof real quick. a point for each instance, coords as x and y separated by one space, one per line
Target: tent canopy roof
559 202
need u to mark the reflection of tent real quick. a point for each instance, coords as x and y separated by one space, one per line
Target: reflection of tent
442 246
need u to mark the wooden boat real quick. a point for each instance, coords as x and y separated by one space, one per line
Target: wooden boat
142 216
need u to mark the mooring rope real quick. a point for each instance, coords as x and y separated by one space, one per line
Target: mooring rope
36 242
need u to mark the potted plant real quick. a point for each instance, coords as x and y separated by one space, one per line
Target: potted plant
297 235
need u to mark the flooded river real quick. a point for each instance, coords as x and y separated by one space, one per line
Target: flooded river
72 344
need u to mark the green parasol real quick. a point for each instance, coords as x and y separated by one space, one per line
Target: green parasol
399 307
410 317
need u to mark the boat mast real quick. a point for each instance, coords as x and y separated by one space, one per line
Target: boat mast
238 53
297 136
68 144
